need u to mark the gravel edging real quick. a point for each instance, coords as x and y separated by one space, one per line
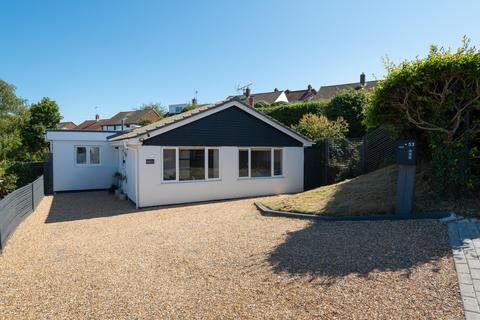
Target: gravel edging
269 212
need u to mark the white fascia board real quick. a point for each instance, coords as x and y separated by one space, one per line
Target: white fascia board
68 135
257 114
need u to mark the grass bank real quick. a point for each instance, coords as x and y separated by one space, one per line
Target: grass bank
372 193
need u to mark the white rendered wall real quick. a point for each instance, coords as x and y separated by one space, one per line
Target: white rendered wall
152 191
130 172
67 175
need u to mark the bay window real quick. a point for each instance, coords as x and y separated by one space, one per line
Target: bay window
190 164
260 162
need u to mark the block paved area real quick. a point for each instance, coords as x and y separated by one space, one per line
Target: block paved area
464 236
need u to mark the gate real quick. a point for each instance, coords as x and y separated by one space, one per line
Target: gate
48 174
314 167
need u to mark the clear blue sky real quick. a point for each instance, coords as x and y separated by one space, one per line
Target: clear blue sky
117 55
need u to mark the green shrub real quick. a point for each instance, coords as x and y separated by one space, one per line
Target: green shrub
290 114
318 128
436 100
349 105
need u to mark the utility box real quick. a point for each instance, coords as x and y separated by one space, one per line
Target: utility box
406 159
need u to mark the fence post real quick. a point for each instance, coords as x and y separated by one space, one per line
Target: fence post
33 195
363 154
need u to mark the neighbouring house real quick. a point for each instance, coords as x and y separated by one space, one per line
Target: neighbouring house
328 92
269 97
67 125
217 151
125 120
92 125
176 108
300 95
277 95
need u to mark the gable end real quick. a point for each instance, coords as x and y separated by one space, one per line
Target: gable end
229 127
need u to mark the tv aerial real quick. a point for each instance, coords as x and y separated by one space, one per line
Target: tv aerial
242 88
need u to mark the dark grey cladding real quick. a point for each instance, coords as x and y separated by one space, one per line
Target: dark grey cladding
229 127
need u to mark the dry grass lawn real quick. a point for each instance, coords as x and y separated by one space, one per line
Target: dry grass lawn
90 256
372 193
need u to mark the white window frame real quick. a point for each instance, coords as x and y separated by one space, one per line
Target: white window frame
281 161
87 163
177 164
272 164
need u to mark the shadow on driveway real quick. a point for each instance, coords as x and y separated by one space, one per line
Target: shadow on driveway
335 249
87 205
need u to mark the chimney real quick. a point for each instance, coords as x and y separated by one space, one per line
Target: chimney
247 92
251 101
309 88
97 117
275 90
362 79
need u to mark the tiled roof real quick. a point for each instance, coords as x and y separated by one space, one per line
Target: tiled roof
132 117
67 125
90 125
268 97
299 95
327 92
166 121
181 116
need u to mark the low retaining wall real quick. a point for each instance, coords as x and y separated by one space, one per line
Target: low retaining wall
269 212
18 205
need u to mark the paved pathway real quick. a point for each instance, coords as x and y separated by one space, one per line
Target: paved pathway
464 236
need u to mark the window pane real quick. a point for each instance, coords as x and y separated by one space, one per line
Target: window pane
261 165
169 164
243 163
277 162
213 164
192 164
81 155
94 155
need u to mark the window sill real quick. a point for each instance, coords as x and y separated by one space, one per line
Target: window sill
260 178
189 181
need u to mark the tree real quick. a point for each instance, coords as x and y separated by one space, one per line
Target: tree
188 107
156 106
437 100
319 128
42 116
13 112
349 105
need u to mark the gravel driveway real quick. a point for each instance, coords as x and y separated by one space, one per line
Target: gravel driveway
88 255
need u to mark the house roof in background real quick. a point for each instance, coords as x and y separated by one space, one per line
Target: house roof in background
91 125
200 109
132 117
67 125
327 92
268 97
300 95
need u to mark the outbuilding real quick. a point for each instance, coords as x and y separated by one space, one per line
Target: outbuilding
219 151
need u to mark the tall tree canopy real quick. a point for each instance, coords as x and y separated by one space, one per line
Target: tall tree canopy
349 105
42 116
156 106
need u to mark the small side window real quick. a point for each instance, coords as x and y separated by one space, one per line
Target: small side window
81 155
94 155
243 163
277 162
213 164
169 164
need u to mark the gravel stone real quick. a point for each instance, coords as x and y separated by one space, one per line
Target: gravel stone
90 256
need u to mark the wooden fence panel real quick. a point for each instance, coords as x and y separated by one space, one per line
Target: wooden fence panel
16 206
